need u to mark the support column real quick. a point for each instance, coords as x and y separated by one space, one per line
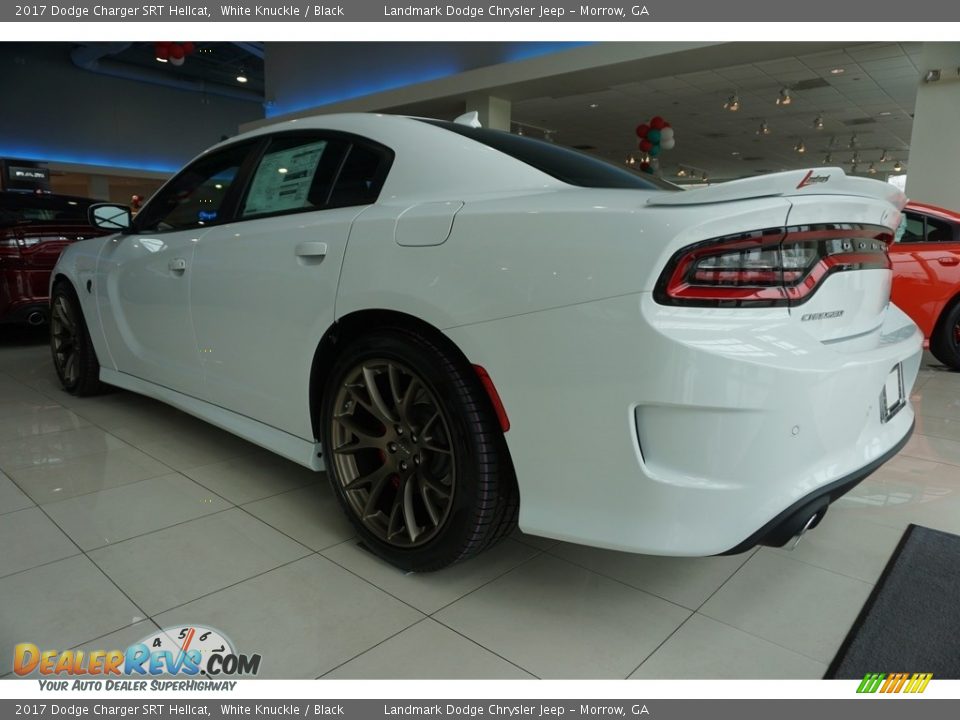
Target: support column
494 112
932 169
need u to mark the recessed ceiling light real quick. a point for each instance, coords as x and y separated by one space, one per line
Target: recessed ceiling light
837 71
885 113
594 105
735 152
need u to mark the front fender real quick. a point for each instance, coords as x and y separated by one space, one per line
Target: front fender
78 266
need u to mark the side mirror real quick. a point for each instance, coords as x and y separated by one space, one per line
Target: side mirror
108 216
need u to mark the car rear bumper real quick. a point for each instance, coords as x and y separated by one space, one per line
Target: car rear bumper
23 293
686 431
797 518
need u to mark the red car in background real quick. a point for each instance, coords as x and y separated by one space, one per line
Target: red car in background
34 230
926 277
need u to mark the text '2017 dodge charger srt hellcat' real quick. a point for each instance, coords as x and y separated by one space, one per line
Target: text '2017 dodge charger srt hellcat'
467 328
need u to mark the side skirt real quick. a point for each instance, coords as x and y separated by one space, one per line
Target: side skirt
293 448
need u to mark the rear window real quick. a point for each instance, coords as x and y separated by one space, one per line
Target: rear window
43 209
569 166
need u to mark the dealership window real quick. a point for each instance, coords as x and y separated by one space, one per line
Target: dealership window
920 228
197 196
17 207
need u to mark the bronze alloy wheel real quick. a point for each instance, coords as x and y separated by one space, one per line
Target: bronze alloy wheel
391 445
65 340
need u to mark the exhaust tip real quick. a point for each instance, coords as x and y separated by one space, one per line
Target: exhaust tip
813 520
36 318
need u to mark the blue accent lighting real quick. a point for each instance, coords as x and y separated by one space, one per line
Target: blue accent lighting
417 70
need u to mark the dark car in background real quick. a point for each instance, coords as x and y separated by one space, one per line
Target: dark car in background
34 230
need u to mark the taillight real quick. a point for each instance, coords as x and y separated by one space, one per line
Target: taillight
777 266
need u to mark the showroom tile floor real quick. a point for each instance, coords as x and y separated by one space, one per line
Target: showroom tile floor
119 516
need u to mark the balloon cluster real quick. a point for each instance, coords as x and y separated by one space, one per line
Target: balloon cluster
654 136
173 52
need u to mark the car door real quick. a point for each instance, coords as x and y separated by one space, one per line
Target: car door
926 268
144 287
263 287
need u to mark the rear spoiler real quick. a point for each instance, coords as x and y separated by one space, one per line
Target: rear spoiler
822 181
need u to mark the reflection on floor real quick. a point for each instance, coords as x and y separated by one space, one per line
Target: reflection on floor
119 515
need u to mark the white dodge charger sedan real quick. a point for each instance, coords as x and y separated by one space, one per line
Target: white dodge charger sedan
467 328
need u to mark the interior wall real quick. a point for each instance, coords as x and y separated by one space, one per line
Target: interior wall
55 111
112 188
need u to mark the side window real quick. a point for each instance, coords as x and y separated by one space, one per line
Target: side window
196 196
294 174
362 176
914 230
938 231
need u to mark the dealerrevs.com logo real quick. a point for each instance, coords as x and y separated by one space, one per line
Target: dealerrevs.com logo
192 652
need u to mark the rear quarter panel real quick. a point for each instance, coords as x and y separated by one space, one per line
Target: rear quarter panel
521 254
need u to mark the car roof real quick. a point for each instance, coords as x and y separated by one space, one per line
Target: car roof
934 210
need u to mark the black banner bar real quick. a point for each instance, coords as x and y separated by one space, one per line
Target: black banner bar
637 11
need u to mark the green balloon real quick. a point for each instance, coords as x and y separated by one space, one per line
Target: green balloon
654 151
653 136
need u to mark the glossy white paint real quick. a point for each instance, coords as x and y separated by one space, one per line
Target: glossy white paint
144 304
634 425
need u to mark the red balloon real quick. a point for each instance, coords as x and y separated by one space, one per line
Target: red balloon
657 122
645 166
642 130
187 48
645 145
176 51
162 51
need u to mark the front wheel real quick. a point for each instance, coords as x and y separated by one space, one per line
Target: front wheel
414 451
73 355
945 340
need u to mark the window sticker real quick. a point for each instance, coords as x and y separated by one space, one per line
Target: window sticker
283 180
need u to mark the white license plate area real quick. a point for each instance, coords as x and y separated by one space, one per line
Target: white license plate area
892 398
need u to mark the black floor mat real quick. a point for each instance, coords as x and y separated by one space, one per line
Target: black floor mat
911 621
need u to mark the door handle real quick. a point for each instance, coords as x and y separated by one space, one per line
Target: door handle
948 260
177 265
311 248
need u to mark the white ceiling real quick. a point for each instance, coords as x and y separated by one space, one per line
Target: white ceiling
873 98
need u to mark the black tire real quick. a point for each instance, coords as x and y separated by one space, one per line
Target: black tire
74 358
482 497
945 341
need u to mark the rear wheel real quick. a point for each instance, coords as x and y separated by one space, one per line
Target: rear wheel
414 452
73 355
945 340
